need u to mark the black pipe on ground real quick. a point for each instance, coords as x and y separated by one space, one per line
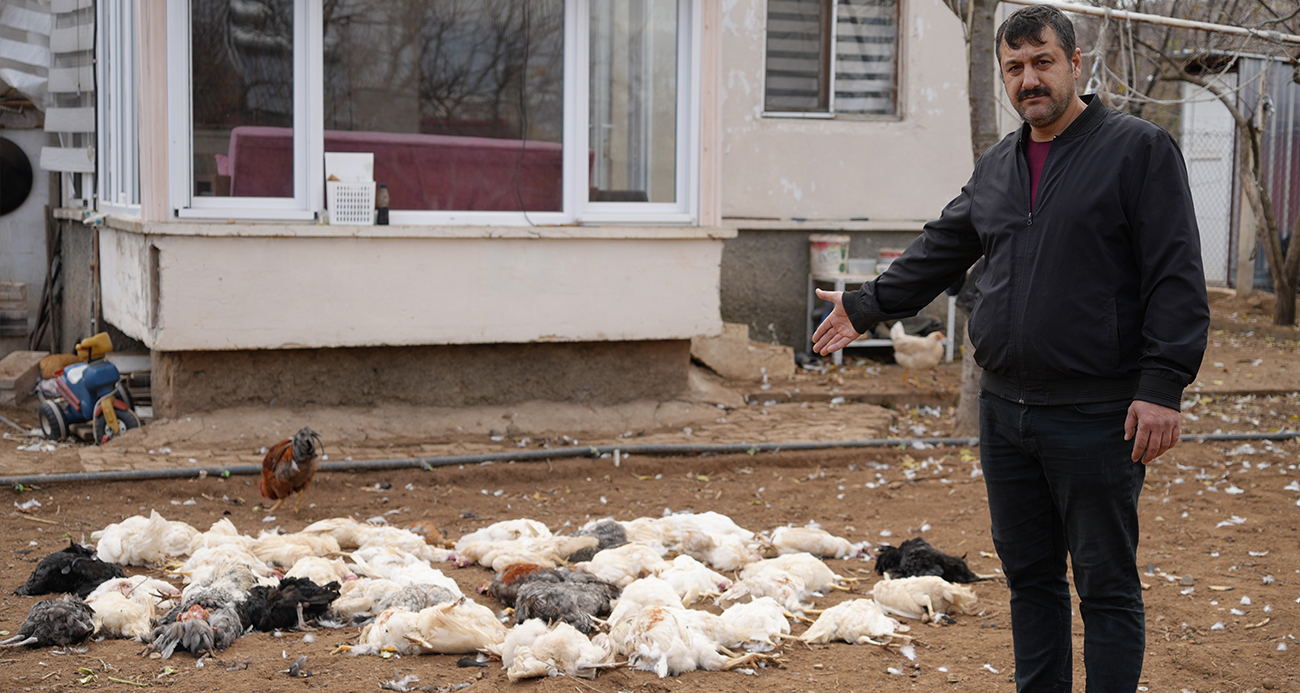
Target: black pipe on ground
429 463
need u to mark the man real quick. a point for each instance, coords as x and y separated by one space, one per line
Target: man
1092 319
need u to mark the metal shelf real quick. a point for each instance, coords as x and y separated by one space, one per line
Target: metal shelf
840 281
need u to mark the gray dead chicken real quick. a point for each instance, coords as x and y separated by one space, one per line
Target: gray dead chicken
575 597
608 532
60 621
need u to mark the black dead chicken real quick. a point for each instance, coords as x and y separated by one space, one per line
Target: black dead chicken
60 621
290 605
915 557
73 570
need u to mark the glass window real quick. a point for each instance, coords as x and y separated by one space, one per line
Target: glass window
461 101
242 71
832 57
119 154
633 101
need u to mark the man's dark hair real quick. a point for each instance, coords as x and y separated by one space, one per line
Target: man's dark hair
1027 25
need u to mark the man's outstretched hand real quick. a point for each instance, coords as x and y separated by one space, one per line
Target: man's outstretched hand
836 331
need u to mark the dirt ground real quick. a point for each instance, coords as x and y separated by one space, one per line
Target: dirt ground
1219 540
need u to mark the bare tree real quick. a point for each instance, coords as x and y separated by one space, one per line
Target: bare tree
1198 57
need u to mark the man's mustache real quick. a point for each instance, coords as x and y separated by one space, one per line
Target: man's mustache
1036 91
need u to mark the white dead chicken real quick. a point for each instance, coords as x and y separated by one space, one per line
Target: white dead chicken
790 591
926 598
623 564
662 639
126 607
203 564
345 530
359 599
812 540
456 627
139 540
506 530
816 575
533 649
693 580
758 625
221 532
709 537
351 534
400 567
321 571
548 552
284 550
638 596
857 621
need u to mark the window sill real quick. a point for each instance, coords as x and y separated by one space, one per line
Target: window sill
243 229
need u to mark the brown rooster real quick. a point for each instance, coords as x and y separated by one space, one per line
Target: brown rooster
289 467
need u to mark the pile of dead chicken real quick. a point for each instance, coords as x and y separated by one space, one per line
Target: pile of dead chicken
612 593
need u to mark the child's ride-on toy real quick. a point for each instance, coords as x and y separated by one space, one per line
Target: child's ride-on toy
90 391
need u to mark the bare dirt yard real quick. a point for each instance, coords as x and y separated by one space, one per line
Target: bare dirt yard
1219 545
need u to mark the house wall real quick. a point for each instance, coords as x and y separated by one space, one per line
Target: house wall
875 180
847 168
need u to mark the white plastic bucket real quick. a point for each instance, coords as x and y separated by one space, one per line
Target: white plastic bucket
828 254
887 257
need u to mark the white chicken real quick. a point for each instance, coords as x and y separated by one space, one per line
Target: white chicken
548 552
400 567
506 530
709 537
139 540
925 598
756 626
284 550
815 541
915 353
663 639
533 649
858 622
623 564
788 590
693 580
202 564
221 532
456 627
351 534
126 607
816 575
359 599
638 596
321 571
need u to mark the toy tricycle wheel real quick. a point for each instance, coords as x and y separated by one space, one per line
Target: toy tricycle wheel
127 418
53 425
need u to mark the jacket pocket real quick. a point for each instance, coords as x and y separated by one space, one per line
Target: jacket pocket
1118 406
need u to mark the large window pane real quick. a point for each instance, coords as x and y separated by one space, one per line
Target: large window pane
866 57
242 84
634 100
461 101
798 56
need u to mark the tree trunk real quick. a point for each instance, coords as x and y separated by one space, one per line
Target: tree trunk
982 86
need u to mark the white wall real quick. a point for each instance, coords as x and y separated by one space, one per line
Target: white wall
904 169
268 287
22 232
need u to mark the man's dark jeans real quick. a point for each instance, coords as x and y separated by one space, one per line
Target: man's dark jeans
1061 479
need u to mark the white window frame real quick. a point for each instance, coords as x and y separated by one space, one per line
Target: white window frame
309 137
184 202
830 112
117 118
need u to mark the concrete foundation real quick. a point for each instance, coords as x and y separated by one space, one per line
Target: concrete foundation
446 376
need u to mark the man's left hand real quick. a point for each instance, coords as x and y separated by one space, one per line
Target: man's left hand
1152 428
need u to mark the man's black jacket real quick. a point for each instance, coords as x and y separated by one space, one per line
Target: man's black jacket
1094 294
